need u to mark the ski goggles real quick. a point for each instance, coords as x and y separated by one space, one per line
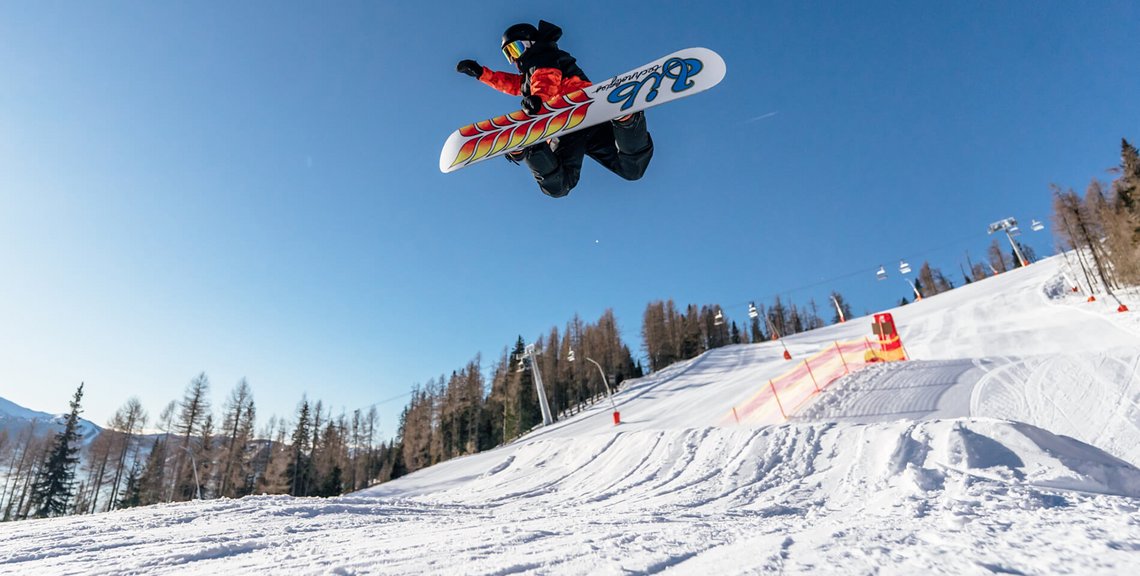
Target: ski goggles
513 50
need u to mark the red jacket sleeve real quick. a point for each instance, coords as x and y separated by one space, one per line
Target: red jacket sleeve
502 81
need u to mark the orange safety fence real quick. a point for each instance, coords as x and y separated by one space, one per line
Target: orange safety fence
785 394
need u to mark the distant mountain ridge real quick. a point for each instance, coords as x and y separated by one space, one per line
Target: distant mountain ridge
15 419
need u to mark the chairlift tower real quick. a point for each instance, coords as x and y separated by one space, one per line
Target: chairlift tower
528 354
1009 226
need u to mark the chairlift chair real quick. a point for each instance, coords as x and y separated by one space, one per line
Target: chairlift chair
881 274
904 268
1037 226
752 311
718 320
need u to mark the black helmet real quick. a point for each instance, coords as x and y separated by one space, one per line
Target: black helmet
521 31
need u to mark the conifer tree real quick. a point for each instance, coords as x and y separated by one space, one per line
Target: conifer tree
369 429
298 470
1064 230
126 422
757 328
492 429
155 472
795 320
655 336
98 462
416 428
1080 231
998 259
193 412
1121 218
521 412
237 431
329 459
53 488
692 345
132 492
356 476
931 281
1128 187
153 475
778 319
202 461
269 462
633 368
23 470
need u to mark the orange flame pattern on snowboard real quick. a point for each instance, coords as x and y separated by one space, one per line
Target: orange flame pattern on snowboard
519 129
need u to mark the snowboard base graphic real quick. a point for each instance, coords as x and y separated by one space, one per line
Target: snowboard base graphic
678 75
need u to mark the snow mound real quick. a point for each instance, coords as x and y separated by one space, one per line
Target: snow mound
1094 398
743 469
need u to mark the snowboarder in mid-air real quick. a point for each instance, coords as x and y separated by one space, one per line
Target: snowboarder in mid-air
546 72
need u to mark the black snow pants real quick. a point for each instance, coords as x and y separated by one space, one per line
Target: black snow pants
624 148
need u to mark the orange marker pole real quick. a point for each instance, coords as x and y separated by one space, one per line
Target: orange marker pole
778 403
814 383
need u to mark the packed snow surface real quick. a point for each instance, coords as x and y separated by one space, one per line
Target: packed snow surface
1009 444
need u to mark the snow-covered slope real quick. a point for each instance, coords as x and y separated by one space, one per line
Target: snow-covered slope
14 411
1007 446
1019 347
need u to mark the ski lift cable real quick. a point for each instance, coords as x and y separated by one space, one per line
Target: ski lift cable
859 272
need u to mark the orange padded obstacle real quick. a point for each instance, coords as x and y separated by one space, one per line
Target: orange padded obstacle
890 345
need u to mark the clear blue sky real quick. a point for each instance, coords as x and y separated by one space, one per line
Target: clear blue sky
251 189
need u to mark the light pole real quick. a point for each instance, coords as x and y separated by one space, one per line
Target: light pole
917 295
839 310
194 465
904 269
617 415
754 313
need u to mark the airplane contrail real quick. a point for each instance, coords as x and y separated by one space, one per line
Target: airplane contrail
761 117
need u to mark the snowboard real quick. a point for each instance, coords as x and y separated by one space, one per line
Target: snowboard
678 75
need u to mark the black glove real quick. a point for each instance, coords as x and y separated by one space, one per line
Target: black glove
470 68
532 104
